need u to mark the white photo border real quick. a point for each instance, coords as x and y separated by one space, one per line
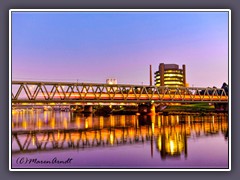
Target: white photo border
118 10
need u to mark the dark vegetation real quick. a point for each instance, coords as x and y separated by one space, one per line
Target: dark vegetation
224 88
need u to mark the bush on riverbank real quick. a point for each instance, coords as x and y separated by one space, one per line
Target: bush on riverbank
190 107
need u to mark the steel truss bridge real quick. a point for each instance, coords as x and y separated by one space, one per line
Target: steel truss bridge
36 92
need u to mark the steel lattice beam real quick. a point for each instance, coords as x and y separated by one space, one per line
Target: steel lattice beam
67 92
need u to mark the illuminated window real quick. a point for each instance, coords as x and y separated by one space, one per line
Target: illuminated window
173 79
172 71
173 82
172 75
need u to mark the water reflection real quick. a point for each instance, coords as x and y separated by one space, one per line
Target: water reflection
34 131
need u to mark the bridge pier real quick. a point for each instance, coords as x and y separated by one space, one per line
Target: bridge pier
143 108
88 109
146 108
221 106
76 108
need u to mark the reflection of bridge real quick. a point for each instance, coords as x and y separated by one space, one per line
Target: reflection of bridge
25 92
77 138
168 139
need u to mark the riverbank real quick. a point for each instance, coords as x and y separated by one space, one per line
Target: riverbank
196 108
173 109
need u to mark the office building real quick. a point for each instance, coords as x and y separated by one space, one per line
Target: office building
170 75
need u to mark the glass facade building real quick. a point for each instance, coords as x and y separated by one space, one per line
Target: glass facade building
170 75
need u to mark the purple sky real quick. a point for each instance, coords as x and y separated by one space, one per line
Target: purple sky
94 46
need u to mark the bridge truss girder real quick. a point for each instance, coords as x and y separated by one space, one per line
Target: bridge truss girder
66 92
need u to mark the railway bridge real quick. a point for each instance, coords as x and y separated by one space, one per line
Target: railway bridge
72 93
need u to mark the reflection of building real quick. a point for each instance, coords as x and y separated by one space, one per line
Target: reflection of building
172 144
170 75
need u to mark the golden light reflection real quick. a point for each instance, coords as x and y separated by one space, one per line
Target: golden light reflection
33 141
45 115
86 123
98 136
14 112
169 138
172 147
111 138
78 122
159 143
153 127
53 123
58 135
159 122
112 121
39 124
101 124
131 133
122 120
172 120
174 144
65 123
24 124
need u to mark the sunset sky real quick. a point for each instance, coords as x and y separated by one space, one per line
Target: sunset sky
94 46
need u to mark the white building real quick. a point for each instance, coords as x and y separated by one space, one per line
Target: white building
111 81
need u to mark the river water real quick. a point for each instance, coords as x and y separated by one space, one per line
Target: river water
55 139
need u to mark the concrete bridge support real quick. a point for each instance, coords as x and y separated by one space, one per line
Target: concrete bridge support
88 109
146 108
76 108
143 108
221 106
72 107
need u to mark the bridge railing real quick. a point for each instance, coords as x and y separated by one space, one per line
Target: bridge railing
66 91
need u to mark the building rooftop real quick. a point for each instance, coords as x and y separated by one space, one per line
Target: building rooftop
171 66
